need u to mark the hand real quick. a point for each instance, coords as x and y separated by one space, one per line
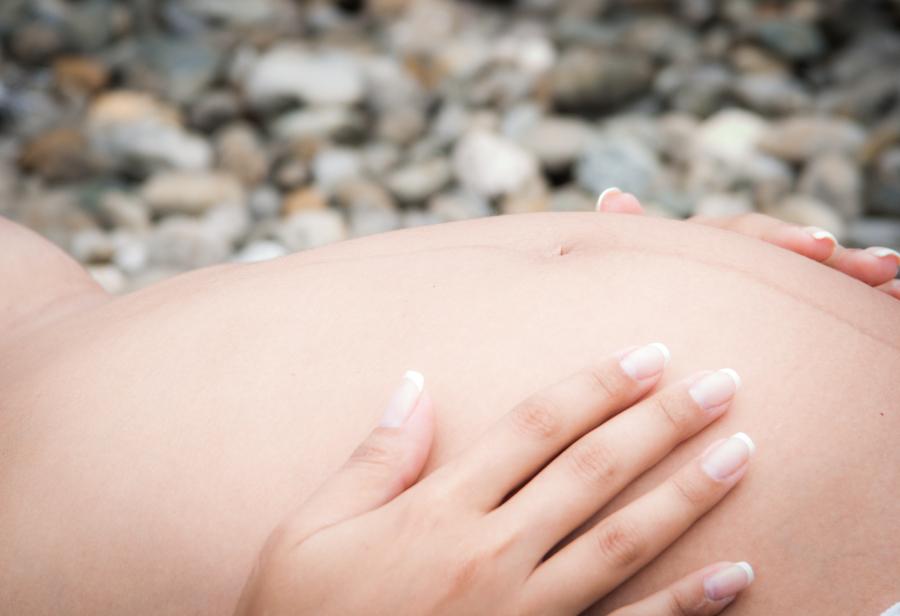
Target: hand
471 537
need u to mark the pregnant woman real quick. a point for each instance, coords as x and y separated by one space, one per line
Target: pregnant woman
150 443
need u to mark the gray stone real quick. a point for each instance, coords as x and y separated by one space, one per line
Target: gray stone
237 12
230 221
401 125
187 192
214 108
866 232
124 210
178 67
109 277
490 165
188 243
336 122
793 40
719 205
771 94
264 202
801 137
311 228
458 205
416 182
586 80
557 141
131 254
380 157
332 166
696 90
241 153
292 72
809 212
91 246
572 199
731 135
884 192
621 162
834 178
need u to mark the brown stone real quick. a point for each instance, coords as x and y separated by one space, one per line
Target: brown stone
57 156
303 200
78 75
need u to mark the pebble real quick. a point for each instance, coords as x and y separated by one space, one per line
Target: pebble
60 155
109 277
618 161
124 210
458 205
723 205
771 94
240 152
807 211
557 142
264 202
586 80
79 75
187 243
313 77
885 191
332 166
865 232
302 200
187 192
416 182
799 138
794 40
730 135
833 178
490 165
131 254
91 246
572 199
311 229
261 250
319 123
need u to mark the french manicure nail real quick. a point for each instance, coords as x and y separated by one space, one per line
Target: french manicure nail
612 190
728 582
646 361
880 251
404 400
821 234
715 389
728 457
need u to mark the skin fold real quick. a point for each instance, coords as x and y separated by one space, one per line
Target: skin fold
149 443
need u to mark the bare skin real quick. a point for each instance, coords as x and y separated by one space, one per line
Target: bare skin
149 443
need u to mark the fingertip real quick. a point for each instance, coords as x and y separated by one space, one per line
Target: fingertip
614 201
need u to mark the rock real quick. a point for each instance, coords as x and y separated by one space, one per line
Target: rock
585 80
458 205
884 195
91 246
362 195
801 137
319 123
230 221
490 165
380 157
241 153
557 142
867 232
124 210
213 109
60 155
450 123
188 192
182 242
731 135
79 75
311 228
264 202
291 174
676 130
809 212
771 94
35 42
235 12
178 67
369 220
131 254
302 200
416 182
770 179
261 250
332 166
530 197
719 205
572 199
133 131
863 99
109 277
313 77
698 91
834 179
793 40
401 125
625 163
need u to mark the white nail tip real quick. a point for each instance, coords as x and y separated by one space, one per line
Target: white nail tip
734 376
612 190
747 441
662 349
879 251
748 570
821 234
417 379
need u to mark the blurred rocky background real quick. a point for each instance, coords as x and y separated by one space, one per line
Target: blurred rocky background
148 137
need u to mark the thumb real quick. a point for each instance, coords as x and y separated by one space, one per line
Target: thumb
387 462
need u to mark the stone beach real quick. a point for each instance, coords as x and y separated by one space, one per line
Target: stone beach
147 138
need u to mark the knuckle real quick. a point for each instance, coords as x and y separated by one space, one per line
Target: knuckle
537 416
593 461
375 454
620 544
605 382
681 605
691 489
677 416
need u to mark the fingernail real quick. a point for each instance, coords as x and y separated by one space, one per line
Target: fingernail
612 190
715 389
880 251
404 400
728 582
821 234
646 361
728 457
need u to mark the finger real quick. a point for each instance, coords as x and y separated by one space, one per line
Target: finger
387 462
702 593
537 429
599 560
600 464
873 266
811 242
614 200
891 287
